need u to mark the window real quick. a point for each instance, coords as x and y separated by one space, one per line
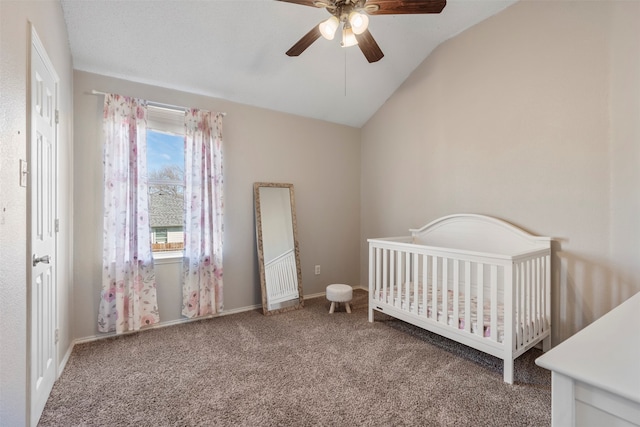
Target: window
159 235
165 168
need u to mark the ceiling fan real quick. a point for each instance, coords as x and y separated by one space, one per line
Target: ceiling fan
352 14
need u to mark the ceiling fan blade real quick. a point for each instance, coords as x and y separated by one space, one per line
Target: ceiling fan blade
301 2
369 47
404 7
304 42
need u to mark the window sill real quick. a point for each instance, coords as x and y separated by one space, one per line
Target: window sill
169 257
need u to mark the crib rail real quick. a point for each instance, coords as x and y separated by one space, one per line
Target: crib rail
501 301
282 276
531 299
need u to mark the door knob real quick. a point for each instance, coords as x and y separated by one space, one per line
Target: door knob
44 259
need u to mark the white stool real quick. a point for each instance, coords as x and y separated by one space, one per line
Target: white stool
339 293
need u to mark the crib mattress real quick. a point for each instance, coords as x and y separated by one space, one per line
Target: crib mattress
450 319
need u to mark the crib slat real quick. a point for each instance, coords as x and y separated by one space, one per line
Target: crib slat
401 282
532 303
444 307
515 302
541 302
529 300
455 321
434 288
385 279
535 304
375 272
535 286
397 280
525 303
542 295
425 287
467 296
547 292
521 303
286 279
383 254
392 277
514 305
539 286
533 320
415 281
373 278
405 281
510 317
278 274
480 301
518 311
494 303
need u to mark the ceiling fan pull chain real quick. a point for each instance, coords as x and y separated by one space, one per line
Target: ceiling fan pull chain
345 72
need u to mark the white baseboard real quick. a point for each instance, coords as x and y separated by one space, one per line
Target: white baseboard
312 296
65 359
321 294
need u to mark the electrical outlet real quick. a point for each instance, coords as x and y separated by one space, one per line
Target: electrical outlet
317 269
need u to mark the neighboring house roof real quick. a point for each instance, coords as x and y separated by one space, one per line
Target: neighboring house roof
166 210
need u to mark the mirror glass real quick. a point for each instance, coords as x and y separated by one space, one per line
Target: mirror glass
277 244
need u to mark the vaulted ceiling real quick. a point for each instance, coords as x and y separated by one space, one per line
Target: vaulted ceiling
235 50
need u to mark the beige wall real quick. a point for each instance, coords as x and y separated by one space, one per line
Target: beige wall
15 39
321 160
530 116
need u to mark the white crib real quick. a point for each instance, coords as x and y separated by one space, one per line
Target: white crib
474 279
282 275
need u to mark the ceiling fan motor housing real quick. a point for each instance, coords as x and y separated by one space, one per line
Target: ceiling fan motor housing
342 9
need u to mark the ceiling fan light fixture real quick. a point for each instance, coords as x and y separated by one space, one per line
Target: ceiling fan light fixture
328 28
348 38
359 22
353 15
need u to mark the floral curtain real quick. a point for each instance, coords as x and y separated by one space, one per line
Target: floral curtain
128 299
202 264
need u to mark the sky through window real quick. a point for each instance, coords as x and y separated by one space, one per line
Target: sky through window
164 150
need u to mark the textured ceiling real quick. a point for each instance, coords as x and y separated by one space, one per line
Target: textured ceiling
235 50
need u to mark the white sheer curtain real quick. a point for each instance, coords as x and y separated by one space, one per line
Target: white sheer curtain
128 299
202 265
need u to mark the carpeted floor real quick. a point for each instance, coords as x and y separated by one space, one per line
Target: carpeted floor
301 368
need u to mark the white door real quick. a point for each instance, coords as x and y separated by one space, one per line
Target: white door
42 189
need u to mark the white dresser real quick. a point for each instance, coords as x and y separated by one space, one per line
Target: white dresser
595 378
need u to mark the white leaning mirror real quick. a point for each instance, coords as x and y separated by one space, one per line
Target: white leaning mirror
277 245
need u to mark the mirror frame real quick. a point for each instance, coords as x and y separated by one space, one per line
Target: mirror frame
260 248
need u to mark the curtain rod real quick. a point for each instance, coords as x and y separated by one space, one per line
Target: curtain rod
155 104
